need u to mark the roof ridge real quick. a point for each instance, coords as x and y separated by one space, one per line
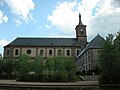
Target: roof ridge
45 41
91 43
94 40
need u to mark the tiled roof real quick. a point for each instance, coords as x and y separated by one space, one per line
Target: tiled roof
45 42
96 43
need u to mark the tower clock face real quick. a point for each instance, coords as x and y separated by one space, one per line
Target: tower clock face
81 30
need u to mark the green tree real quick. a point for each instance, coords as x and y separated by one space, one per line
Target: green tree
107 61
60 70
39 68
50 69
7 68
38 65
1 56
70 68
1 66
24 64
117 59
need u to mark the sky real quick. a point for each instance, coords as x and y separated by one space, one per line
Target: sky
56 18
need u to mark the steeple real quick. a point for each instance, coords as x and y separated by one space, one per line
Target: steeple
80 22
81 35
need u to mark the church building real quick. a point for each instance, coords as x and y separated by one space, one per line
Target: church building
89 56
48 47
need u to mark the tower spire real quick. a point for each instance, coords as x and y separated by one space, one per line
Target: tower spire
80 22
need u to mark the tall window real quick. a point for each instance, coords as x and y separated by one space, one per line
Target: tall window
89 67
68 52
8 52
86 68
41 52
59 52
16 52
78 51
50 52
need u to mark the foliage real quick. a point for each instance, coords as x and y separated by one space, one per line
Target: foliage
70 68
60 70
109 61
24 64
38 65
7 68
0 56
57 69
117 59
50 69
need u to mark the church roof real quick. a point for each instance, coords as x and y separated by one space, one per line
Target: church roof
45 42
96 43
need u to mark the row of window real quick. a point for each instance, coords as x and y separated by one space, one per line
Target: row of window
87 67
42 52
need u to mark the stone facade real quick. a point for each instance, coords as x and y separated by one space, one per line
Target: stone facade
48 47
88 57
88 60
46 52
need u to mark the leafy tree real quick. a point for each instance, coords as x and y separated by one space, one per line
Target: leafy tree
70 68
1 60
54 69
117 59
1 66
24 64
60 70
15 66
50 69
0 56
38 65
7 68
109 61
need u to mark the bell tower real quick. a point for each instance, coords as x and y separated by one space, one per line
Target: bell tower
81 31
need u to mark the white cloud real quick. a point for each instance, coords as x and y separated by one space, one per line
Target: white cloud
3 18
100 16
3 42
21 8
106 19
64 17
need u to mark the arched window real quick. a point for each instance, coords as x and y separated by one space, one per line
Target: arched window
41 52
68 52
8 52
50 52
16 52
59 52
78 51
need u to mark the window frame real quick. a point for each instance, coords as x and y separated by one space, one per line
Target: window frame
8 52
68 51
16 52
50 52
29 51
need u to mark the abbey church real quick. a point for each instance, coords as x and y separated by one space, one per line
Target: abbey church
85 54
48 47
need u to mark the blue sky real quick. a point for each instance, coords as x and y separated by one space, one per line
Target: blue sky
56 18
